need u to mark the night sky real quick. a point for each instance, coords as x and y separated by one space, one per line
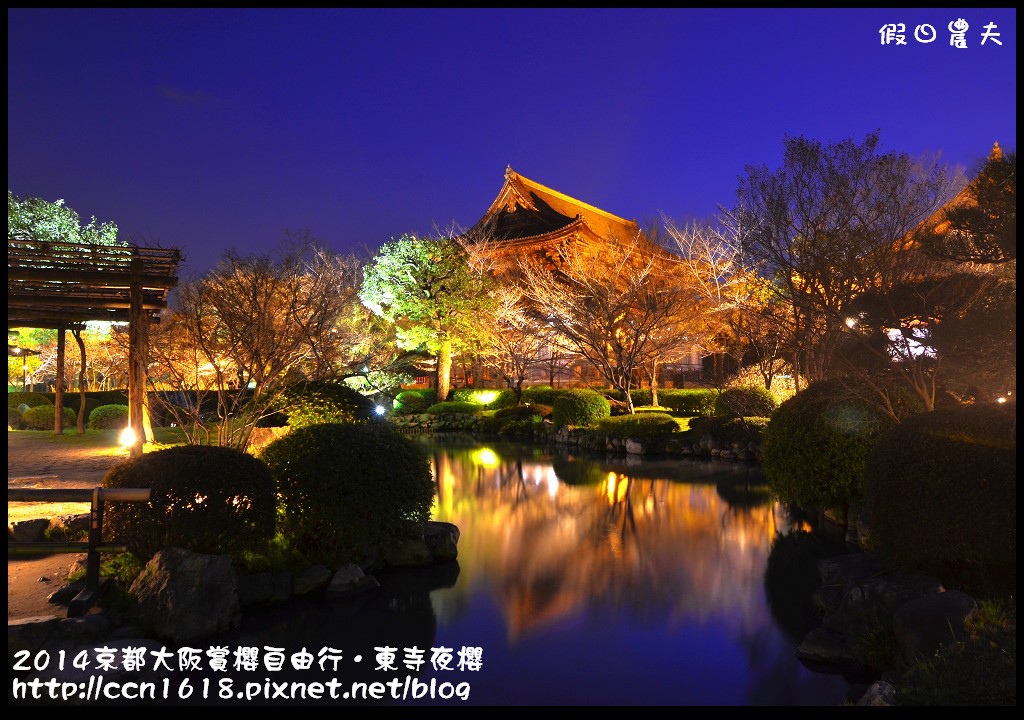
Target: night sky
206 130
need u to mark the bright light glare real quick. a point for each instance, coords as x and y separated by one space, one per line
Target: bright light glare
1001 400
486 397
380 409
485 457
127 438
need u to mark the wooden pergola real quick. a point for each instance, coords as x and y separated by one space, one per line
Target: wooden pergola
64 285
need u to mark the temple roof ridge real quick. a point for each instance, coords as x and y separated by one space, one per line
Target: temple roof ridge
514 177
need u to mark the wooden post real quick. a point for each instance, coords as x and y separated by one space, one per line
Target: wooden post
58 395
136 359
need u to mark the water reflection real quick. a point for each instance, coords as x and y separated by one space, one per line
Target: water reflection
656 563
584 581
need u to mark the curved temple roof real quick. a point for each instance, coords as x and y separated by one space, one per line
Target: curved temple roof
526 209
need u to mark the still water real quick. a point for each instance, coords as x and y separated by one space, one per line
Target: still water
579 581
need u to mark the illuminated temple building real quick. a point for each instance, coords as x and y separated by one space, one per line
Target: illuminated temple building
530 219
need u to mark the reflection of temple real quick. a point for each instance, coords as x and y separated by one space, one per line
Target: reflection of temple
550 549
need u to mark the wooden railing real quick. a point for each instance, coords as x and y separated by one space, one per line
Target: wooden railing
93 546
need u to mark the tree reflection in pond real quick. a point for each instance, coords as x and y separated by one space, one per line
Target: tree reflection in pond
584 581
645 568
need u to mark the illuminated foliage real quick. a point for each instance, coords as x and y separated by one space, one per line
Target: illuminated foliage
428 290
614 305
36 219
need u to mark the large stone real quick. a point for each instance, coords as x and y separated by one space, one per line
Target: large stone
265 588
636 447
442 539
27 530
822 647
70 527
66 593
183 596
873 602
350 580
878 694
29 634
408 552
924 625
314 578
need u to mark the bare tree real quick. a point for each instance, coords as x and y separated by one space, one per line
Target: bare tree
832 222
245 330
607 303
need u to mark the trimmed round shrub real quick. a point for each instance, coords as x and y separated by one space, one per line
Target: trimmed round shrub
746 401
515 421
689 402
731 429
641 396
15 399
414 401
320 402
542 394
816 444
348 490
580 408
14 418
109 417
203 498
40 417
524 411
454 407
643 426
940 489
520 420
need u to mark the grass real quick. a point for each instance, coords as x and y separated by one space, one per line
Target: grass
103 442
980 670
682 422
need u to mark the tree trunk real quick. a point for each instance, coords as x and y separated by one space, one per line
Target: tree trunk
81 380
654 383
58 388
444 370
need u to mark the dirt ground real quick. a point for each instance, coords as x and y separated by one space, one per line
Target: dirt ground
32 463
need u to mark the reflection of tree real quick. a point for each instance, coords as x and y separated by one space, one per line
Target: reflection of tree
576 471
627 540
399 615
791 577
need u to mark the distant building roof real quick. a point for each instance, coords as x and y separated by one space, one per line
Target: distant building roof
526 210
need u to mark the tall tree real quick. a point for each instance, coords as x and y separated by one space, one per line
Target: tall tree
982 226
428 290
833 221
609 304
245 330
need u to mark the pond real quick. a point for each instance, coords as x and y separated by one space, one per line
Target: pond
580 581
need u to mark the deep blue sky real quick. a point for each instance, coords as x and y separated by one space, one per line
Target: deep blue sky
214 129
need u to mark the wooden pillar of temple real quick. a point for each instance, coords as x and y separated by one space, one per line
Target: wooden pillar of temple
137 353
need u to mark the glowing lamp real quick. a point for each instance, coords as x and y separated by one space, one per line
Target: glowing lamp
127 438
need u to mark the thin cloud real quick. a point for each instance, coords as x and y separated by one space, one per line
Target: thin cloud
180 97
